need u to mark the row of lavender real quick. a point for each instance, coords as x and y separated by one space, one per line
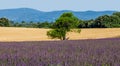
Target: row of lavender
102 52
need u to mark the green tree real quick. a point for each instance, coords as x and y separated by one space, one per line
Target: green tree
81 24
107 21
63 24
115 21
102 21
86 24
117 14
4 22
44 25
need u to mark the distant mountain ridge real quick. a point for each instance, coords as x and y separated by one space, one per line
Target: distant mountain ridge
28 14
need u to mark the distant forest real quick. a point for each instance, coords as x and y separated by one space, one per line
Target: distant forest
105 21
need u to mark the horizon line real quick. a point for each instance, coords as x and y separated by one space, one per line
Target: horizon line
57 10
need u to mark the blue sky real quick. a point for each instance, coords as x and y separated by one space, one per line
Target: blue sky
52 5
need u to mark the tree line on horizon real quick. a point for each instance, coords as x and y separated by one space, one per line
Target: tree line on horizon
104 21
67 22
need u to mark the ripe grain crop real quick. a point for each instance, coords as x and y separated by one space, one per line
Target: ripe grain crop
36 34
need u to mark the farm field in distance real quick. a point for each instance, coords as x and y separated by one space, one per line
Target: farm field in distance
36 34
97 52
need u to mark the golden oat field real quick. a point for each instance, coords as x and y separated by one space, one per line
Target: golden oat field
39 34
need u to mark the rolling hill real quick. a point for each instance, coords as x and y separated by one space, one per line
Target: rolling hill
28 14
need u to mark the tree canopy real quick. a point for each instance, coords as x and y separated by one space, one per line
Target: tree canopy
63 24
4 22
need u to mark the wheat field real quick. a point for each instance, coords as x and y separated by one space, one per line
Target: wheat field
36 34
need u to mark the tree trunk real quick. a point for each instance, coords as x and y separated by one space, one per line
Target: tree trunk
64 37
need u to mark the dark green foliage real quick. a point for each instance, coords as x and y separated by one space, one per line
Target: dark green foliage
117 14
86 24
63 24
4 22
44 25
115 21
108 21
67 21
81 24
57 33
104 21
32 24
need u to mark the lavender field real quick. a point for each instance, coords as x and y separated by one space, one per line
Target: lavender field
99 52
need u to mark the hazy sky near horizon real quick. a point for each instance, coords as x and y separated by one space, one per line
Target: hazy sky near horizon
52 5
